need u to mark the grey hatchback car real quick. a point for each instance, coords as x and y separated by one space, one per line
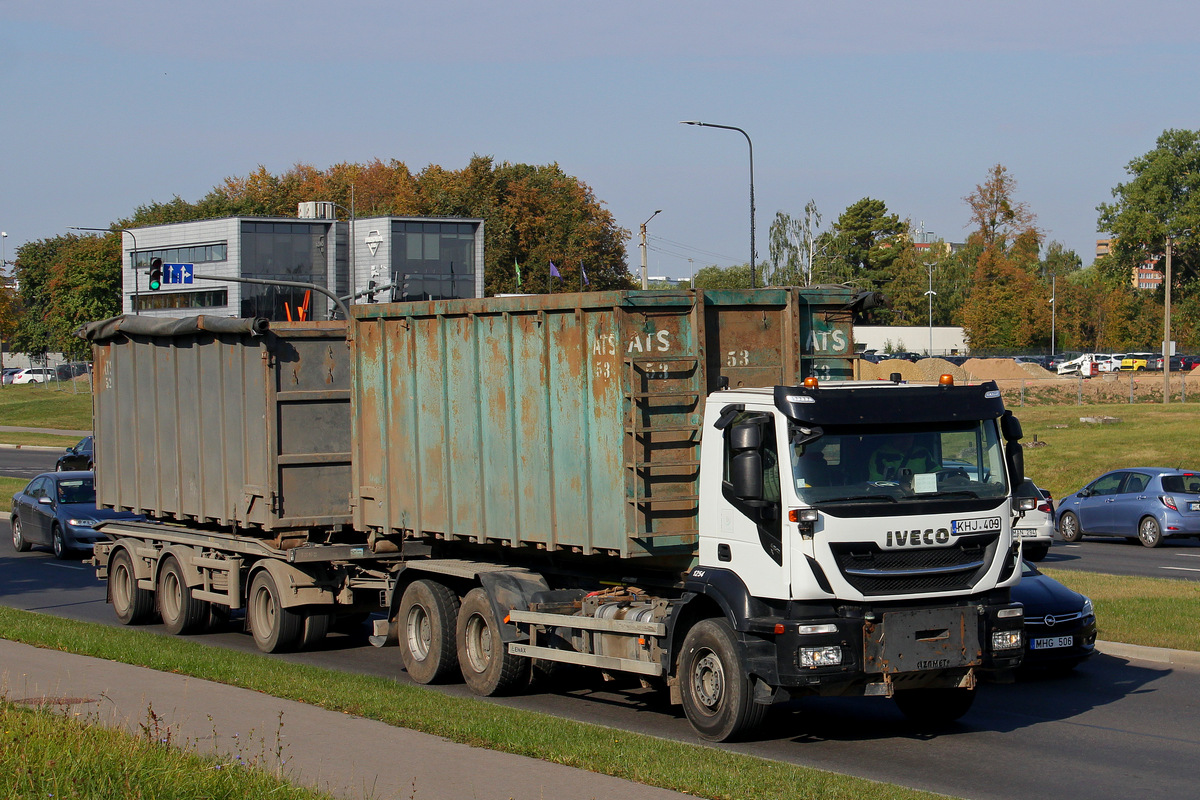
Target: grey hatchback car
1145 504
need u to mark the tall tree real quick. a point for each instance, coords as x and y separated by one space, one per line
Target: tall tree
790 247
714 277
863 243
995 214
1162 198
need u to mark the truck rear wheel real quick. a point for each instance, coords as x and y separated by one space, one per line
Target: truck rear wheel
934 708
316 626
275 629
716 690
486 665
181 612
132 604
428 620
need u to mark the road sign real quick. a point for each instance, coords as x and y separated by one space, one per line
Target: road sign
178 273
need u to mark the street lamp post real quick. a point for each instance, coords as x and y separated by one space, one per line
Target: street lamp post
753 252
930 294
1166 347
645 280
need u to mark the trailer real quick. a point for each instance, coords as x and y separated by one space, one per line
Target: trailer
687 487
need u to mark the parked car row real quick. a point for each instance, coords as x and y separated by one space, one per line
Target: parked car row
63 372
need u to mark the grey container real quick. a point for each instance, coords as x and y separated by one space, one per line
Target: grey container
208 421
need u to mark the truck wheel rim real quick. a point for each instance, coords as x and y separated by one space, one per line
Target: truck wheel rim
419 632
171 596
120 587
479 643
708 680
264 612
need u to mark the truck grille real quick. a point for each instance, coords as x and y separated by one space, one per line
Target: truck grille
875 571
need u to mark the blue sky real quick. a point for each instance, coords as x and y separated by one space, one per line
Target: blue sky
106 106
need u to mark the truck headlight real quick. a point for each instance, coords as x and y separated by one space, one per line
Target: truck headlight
829 656
1006 640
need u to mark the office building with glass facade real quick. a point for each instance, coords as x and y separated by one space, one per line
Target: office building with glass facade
375 259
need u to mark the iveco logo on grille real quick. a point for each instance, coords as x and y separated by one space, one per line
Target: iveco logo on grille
917 538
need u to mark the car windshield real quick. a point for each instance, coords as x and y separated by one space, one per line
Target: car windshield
916 463
77 490
1181 484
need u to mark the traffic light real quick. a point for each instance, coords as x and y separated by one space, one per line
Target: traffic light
155 274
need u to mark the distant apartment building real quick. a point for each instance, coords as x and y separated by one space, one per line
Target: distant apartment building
373 259
1145 275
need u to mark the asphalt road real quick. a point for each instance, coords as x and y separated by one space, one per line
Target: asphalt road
1114 729
1174 558
25 462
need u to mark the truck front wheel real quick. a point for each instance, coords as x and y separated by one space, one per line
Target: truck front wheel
934 708
486 665
428 620
715 686
275 629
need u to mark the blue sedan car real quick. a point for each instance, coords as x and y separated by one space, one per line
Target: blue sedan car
59 509
1145 504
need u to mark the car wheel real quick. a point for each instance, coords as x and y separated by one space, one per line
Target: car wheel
18 538
1036 552
59 543
1068 527
58 467
1149 534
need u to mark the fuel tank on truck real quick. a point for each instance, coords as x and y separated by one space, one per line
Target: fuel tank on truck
230 422
567 423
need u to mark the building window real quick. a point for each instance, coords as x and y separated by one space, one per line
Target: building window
157 301
191 254
433 260
291 251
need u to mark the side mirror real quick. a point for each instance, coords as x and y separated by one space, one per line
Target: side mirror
746 475
1016 462
45 501
1010 427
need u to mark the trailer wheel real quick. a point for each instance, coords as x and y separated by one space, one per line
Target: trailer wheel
275 629
428 621
132 604
715 686
934 708
316 625
486 665
181 612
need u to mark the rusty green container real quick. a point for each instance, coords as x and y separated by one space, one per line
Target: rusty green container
565 422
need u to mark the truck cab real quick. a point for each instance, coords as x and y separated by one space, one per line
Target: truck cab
859 508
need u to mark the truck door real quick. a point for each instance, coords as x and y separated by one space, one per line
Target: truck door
749 538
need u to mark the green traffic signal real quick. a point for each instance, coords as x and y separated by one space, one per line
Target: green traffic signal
155 274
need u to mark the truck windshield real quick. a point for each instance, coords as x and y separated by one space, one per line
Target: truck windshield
916 463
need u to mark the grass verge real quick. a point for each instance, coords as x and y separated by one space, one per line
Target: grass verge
9 487
701 771
46 755
1156 612
1071 453
42 406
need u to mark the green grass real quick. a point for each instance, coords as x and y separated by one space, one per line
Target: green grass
9 487
46 755
1075 452
36 406
701 771
1157 612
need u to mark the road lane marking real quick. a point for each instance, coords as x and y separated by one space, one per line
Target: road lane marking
67 566
1183 569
